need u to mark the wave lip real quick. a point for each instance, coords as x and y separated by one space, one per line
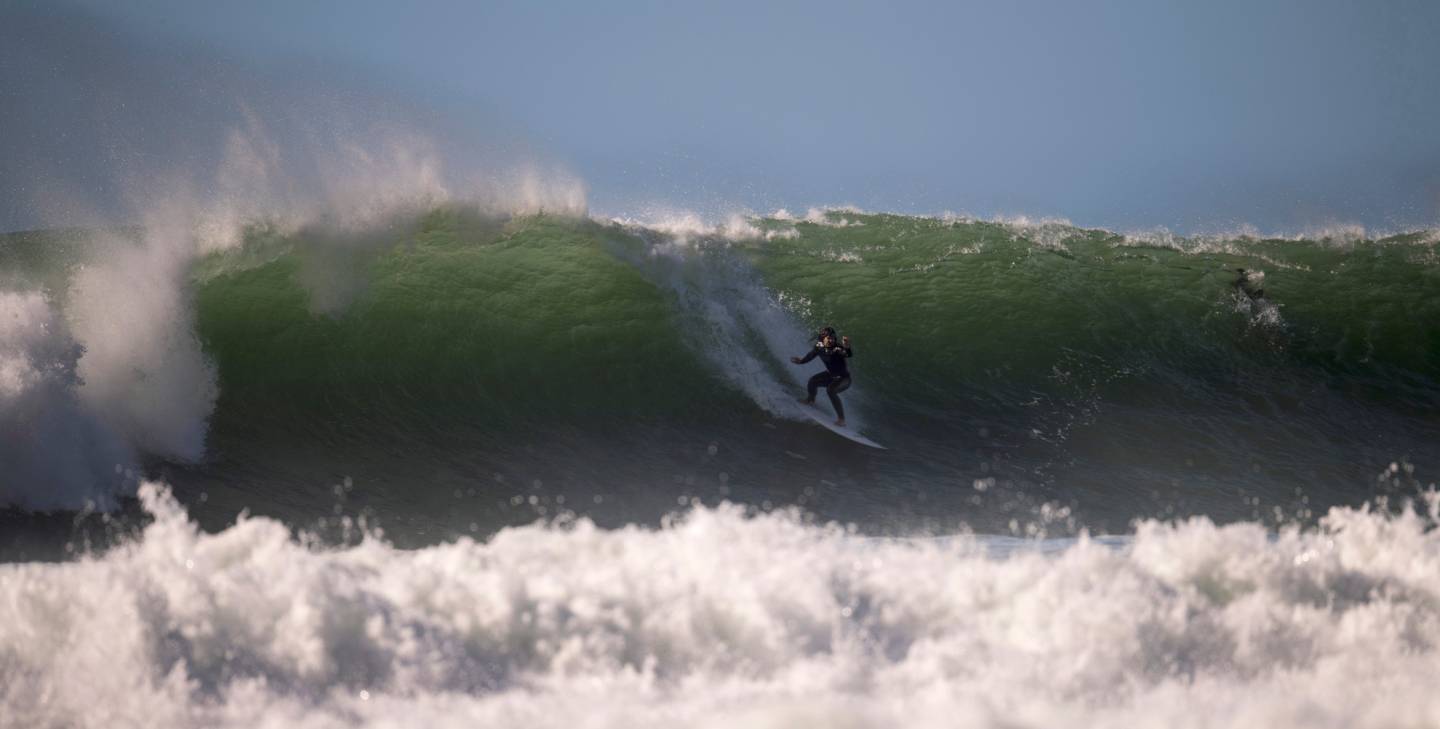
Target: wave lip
723 617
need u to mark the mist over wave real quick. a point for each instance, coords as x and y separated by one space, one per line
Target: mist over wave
180 155
114 342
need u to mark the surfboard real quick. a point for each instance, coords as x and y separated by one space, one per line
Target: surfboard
828 420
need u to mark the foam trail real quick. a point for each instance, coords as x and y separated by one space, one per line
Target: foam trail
724 619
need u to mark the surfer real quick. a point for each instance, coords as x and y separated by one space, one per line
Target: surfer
836 376
1250 283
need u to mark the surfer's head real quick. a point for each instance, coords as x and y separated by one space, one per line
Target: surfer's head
826 335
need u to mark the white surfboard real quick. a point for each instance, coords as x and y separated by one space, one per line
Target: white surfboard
828 420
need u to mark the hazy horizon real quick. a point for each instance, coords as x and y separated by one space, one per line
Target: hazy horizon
1280 115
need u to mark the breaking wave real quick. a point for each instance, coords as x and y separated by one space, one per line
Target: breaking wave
721 617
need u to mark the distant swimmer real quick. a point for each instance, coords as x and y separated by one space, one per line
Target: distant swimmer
1250 283
836 377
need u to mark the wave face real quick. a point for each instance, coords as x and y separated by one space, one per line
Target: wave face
457 371
723 619
1005 364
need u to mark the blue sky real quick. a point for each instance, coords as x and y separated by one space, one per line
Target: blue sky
1191 115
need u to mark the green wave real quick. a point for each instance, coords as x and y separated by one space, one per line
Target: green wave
1119 374
535 316
515 319
964 303
1076 365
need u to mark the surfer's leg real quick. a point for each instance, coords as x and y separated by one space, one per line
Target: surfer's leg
820 378
834 389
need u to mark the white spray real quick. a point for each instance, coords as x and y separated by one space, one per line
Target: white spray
137 379
727 620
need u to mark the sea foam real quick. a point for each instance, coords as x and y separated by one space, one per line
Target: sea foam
723 618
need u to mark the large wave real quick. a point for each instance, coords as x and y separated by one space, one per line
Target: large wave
723 618
1009 362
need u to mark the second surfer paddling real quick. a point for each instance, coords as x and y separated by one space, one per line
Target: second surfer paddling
836 377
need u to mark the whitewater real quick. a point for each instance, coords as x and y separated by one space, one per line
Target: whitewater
728 617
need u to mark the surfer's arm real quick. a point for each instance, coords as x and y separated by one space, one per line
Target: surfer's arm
811 355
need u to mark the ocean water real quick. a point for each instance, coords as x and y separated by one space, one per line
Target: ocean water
451 465
719 617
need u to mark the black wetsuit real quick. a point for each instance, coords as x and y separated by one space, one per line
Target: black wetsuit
1246 285
836 377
